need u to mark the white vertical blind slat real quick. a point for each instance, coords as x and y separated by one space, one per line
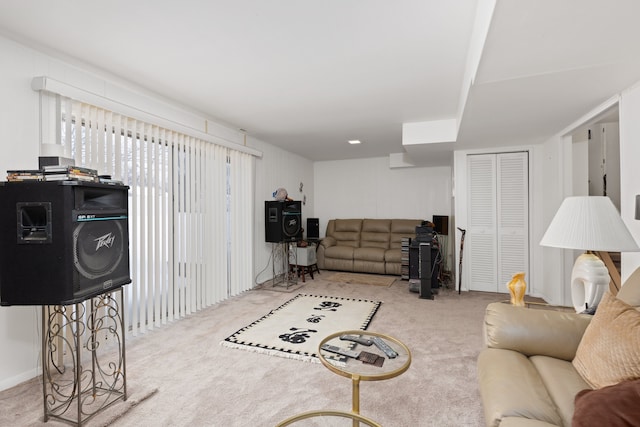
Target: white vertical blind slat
134 220
180 242
155 265
172 181
192 215
68 104
197 241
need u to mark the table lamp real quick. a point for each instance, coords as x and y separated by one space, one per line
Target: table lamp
592 224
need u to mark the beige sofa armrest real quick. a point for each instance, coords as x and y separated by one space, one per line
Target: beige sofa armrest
327 242
534 331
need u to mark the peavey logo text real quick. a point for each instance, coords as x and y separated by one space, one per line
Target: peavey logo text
105 241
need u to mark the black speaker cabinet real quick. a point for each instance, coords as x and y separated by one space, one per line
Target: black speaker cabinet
313 228
425 270
282 221
441 224
62 242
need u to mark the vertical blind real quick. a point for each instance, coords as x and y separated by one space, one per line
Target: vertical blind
190 210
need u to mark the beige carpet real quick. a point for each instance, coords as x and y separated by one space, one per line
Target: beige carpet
23 405
363 279
201 383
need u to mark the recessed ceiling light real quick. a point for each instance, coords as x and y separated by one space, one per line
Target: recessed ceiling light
354 141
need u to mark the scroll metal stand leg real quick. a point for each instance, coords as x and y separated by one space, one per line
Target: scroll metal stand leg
286 277
69 332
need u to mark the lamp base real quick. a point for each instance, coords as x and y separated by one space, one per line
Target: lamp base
589 280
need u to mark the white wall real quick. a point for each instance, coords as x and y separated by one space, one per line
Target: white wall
369 188
557 179
629 170
19 149
562 168
278 168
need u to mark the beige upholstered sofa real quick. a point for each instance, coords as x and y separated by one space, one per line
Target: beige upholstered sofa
365 245
537 362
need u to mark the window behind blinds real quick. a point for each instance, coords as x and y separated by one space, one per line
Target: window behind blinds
190 210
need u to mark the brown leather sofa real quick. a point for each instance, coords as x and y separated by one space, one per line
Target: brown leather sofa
525 373
365 245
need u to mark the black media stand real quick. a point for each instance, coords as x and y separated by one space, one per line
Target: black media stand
423 257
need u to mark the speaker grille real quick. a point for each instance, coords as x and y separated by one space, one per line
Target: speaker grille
291 224
98 248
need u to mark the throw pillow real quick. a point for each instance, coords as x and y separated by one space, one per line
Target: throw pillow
612 406
609 351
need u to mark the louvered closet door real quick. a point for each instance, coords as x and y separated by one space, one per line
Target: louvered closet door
480 241
497 241
513 216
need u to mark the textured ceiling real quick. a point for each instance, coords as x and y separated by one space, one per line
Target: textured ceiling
307 76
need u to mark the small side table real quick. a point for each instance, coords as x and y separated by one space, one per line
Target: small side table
304 260
357 370
357 418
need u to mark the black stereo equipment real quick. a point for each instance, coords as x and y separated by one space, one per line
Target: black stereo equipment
313 229
425 270
282 221
62 241
424 261
441 224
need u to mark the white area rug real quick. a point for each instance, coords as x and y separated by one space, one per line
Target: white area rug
295 329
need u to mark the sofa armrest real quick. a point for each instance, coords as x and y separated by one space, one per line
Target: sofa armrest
328 242
534 331
325 243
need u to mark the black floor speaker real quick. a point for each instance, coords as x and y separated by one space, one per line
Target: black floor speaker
313 228
62 242
282 221
441 224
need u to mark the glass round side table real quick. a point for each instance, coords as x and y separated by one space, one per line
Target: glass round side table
320 415
368 370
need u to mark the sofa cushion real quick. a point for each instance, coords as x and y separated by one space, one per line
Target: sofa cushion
340 252
351 225
375 233
562 382
393 255
609 351
377 225
369 254
347 232
510 386
613 406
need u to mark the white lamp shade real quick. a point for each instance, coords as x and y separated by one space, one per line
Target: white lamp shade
589 223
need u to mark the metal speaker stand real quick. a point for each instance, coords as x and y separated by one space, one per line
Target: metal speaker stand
83 358
281 255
